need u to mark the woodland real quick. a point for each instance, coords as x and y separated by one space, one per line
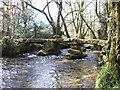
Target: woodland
65 24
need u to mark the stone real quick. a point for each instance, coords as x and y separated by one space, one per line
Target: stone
50 48
74 51
88 46
78 47
73 56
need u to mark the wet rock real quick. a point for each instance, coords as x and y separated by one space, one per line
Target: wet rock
74 51
75 54
26 47
88 46
50 48
77 47
64 45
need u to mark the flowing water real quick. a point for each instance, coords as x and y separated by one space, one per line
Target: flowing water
49 71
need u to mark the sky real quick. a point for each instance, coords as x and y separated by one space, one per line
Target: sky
53 8
40 4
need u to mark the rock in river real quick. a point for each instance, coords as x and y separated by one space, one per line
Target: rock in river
50 48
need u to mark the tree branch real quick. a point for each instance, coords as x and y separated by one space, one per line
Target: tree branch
46 5
49 11
40 11
96 10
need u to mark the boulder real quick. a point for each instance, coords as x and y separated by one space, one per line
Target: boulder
75 54
50 48
88 46
74 51
78 47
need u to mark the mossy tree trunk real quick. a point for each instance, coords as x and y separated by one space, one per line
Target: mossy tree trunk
114 37
109 74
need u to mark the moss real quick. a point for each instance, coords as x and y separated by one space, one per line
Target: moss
56 36
87 46
42 53
107 78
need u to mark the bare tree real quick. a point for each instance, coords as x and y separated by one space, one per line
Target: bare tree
102 32
55 26
76 10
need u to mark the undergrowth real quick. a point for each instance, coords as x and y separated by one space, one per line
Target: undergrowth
107 78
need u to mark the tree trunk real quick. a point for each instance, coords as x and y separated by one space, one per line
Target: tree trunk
114 54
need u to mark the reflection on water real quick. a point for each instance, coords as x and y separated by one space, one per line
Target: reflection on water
50 71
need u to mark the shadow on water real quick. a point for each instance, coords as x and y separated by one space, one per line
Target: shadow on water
50 71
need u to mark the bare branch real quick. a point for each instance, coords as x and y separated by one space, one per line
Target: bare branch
47 5
96 10
40 11
49 11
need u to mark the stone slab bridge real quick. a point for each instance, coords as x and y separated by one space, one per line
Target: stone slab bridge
70 41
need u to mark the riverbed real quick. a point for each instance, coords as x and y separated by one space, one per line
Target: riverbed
32 71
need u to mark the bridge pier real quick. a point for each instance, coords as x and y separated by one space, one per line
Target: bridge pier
76 52
50 48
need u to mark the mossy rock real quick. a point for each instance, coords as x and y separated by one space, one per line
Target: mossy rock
54 52
75 52
83 49
72 56
50 48
26 48
64 45
78 47
88 46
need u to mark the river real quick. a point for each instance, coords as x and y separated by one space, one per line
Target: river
50 71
